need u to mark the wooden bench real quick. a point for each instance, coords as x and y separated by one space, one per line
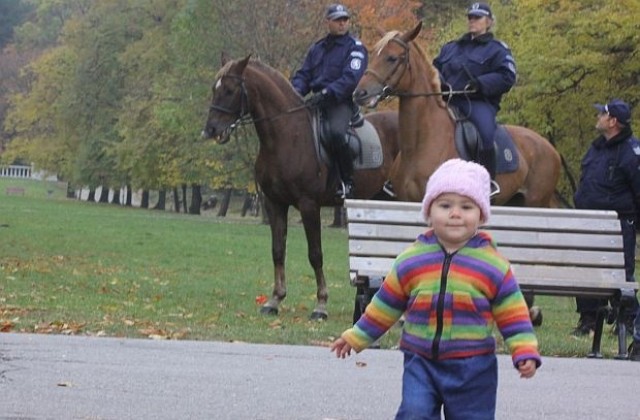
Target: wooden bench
14 191
561 252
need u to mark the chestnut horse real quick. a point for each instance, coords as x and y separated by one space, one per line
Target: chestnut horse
289 167
399 67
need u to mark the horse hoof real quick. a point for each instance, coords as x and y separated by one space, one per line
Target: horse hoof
268 310
318 316
535 313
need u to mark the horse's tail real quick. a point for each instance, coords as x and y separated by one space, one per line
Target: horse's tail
562 200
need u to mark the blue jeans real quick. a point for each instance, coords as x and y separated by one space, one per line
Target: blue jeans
466 388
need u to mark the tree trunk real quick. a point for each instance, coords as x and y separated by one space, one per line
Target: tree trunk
144 201
196 199
184 198
263 210
116 196
224 203
162 200
92 195
129 197
104 195
339 217
176 200
71 192
246 204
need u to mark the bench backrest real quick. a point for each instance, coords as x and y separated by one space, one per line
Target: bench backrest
552 251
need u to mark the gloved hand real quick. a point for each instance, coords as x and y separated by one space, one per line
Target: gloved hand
317 99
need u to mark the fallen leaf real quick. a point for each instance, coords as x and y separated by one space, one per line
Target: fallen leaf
361 364
261 299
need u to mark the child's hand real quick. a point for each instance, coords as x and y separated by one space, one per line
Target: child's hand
527 368
341 347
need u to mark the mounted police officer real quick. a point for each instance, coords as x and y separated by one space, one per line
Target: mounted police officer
484 67
331 71
610 180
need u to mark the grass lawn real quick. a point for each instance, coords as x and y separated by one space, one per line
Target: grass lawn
72 267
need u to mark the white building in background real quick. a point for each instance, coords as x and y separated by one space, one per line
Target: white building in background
24 172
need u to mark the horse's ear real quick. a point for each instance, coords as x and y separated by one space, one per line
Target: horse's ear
224 58
242 64
413 33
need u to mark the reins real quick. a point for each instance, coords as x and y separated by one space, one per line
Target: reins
388 91
243 113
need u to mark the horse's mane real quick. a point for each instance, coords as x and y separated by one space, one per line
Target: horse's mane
277 77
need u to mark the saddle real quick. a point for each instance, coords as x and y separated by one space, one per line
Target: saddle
467 141
364 143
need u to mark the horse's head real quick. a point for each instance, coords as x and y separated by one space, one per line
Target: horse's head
229 101
386 70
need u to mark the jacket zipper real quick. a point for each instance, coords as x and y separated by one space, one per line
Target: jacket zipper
440 306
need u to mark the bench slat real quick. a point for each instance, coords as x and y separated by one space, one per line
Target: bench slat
530 255
403 213
599 241
542 278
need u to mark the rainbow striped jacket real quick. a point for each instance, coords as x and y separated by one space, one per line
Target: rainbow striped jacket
451 303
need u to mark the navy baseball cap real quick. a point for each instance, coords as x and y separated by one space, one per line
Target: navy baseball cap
337 11
618 109
480 9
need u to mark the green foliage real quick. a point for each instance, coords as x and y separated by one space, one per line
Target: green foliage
118 91
12 13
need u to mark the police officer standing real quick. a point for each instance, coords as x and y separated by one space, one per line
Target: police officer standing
610 180
484 67
331 71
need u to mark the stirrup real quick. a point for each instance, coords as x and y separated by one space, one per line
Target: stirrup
346 190
495 189
388 189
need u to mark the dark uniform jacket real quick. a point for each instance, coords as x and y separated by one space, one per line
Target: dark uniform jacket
483 60
336 63
610 177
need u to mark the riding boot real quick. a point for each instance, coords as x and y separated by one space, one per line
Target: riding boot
357 119
487 158
345 164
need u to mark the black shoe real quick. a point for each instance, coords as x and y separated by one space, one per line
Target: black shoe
357 120
345 190
586 326
634 352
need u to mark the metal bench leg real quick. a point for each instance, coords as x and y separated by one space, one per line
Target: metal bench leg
597 336
622 334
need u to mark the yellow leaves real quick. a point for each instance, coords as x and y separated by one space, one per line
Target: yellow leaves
60 327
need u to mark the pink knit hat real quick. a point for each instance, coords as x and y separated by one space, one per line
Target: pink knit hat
461 177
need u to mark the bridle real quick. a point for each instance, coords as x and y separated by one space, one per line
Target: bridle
242 115
403 60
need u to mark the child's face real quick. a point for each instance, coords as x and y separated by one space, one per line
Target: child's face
455 219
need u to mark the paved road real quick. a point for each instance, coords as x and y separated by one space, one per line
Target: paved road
59 377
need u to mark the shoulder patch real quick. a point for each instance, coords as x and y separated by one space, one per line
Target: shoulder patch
355 64
636 149
358 54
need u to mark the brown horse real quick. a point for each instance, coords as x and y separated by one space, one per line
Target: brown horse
289 167
399 67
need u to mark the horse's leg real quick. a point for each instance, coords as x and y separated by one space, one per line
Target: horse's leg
310 211
278 221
